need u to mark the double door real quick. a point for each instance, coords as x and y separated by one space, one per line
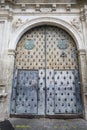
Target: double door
46 75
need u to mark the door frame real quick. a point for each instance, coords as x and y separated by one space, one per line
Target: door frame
79 42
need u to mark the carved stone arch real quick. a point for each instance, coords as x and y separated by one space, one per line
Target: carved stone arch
68 28
48 21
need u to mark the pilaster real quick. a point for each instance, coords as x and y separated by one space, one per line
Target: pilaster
83 78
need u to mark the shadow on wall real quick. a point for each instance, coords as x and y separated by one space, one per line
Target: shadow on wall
6 125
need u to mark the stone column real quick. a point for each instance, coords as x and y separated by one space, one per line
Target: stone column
9 77
11 56
6 85
83 79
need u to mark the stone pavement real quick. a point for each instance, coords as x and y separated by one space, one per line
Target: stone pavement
48 124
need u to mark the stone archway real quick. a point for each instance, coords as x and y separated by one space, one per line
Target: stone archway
58 23
41 102
48 21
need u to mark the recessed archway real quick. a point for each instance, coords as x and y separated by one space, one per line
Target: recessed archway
52 72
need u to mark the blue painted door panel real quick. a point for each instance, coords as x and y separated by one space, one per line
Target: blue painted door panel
50 92
78 92
26 95
65 92
41 92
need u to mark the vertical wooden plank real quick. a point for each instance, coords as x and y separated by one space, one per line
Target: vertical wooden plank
41 92
50 92
78 92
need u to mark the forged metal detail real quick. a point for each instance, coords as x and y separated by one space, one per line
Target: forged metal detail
62 44
46 79
63 55
29 44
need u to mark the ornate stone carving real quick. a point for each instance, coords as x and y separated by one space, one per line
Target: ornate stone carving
54 7
68 7
83 14
76 23
17 23
23 7
37 7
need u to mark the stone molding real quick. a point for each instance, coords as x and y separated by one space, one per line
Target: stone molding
11 52
83 14
10 5
82 63
23 27
82 52
41 1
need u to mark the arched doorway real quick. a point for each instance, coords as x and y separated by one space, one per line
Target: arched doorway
46 75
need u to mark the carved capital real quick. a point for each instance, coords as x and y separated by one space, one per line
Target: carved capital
11 52
82 52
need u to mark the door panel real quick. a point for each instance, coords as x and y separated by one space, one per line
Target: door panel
61 51
78 92
27 85
65 96
31 50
